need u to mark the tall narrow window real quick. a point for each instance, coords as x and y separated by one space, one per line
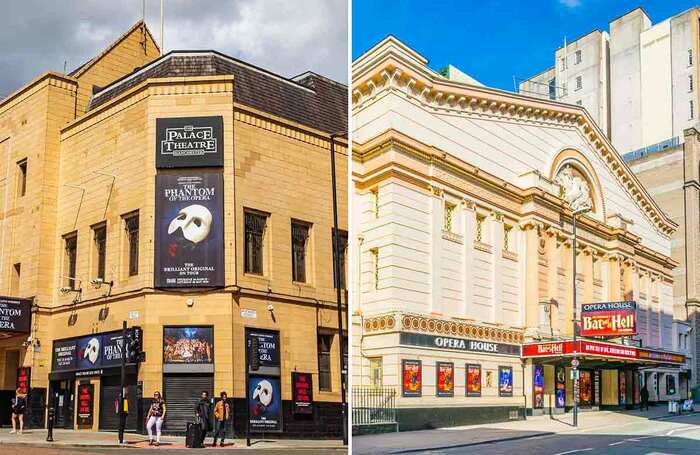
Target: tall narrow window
100 237
300 240
449 215
579 82
578 57
690 83
691 109
131 224
340 256
552 87
374 252
255 224
16 275
374 201
70 253
563 64
375 372
690 57
22 177
324 343
579 102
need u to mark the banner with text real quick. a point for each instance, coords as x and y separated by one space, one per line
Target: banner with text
609 318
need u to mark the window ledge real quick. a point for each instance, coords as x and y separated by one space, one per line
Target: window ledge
305 285
452 237
485 247
510 255
597 282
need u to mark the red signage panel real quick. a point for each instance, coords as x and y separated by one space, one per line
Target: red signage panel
609 319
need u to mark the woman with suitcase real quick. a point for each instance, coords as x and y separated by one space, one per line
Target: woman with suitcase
155 417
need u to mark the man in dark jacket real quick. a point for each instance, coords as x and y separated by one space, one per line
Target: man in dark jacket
203 411
644 395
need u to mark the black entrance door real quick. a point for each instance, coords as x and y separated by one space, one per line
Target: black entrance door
62 395
181 393
109 399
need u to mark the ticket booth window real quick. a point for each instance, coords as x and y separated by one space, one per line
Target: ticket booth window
670 384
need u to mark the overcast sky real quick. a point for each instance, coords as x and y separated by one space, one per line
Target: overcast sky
287 37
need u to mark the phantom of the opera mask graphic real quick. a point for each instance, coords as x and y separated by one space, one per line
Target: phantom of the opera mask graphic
189 229
264 400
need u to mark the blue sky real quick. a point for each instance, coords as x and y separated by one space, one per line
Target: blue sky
492 40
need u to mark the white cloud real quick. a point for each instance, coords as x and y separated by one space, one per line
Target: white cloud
570 3
288 37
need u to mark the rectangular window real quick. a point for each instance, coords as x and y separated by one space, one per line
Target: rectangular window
579 102
300 240
375 372
691 109
563 64
374 252
690 83
14 284
449 215
100 237
70 253
22 178
578 57
255 225
324 343
690 57
579 82
343 247
131 225
552 86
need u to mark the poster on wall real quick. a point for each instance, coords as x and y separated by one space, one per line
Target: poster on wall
24 375
86 396
538 384
585 391
412 373
265 404
189 142
15 315
445 372
505 381
302 393
623 387
189 230
188 345
263 349
609 318
560 386
473 376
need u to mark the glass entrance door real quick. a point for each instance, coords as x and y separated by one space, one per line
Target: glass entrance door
62 395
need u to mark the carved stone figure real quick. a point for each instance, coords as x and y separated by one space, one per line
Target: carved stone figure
576 191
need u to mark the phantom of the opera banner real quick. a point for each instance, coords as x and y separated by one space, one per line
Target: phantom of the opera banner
265 404
505 381
609 319
560 386
412 378
473 386
15 315
189 230
445 379
538 385
189 142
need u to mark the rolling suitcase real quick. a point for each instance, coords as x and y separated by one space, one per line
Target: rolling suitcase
193 437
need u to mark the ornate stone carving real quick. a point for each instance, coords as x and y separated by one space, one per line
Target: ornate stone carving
576 191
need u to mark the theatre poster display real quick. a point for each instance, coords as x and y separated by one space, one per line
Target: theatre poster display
505 381
302 393
188 345
15 314
473 386
88 352
265 402
560 386
189 142
609 319
412 372
623 387
189 229
86 401
24 375
445 372
538 384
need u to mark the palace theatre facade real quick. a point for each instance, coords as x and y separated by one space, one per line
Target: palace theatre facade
465 253
189 195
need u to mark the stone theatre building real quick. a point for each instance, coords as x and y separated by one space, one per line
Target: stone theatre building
190 195
464 251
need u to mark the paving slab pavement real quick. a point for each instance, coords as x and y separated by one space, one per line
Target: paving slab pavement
72 438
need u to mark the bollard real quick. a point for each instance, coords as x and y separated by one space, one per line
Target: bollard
49 436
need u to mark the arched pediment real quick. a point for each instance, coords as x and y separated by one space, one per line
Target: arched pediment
575 174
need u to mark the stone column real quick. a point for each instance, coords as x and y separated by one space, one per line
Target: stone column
691 186
469 217
436 218
531 289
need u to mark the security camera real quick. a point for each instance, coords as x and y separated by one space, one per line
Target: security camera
270 307
190 302
96 282
64 290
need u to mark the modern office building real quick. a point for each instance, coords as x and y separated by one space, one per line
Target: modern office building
188 194
464 256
